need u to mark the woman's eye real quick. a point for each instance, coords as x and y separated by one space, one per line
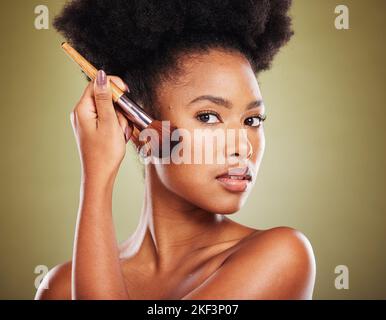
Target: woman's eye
208 117
254 121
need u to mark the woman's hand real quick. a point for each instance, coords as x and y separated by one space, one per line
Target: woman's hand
101 131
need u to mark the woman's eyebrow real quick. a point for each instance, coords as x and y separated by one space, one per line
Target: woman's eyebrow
224 102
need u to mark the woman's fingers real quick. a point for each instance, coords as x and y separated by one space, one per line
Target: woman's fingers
127 126
96 101
85 107
103 98
119 82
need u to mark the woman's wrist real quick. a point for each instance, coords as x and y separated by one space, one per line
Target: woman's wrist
97 191
98 180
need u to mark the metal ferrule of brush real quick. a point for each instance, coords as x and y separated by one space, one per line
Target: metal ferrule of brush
134 112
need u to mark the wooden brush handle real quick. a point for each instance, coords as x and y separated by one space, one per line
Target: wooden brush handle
89 69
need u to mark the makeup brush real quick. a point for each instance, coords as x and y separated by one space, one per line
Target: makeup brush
160 136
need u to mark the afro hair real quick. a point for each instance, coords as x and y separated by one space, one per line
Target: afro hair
141 40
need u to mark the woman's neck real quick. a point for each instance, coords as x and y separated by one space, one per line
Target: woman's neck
170 228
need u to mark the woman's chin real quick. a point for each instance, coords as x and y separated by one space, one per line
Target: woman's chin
222 201
226 206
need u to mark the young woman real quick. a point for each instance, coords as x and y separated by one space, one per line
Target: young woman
193 63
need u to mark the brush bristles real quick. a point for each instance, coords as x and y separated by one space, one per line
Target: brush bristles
158 137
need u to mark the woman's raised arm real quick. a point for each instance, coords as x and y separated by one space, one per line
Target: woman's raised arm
101 133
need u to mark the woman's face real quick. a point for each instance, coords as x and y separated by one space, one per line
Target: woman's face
227 77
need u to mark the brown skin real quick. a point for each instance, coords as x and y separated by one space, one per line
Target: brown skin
184 246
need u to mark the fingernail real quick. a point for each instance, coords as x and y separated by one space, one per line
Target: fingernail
127 134
101 79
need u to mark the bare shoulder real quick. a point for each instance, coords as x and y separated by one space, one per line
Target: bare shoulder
56 285
283 257
287 241
277 263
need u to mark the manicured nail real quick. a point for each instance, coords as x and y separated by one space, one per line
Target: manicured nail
127 134
101 79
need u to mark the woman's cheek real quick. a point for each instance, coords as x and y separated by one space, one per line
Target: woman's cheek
180 178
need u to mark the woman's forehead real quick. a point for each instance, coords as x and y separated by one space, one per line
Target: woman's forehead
216 73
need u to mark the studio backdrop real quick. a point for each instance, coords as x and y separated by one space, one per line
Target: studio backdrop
323 172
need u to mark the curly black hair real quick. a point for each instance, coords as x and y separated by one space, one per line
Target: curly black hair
141 40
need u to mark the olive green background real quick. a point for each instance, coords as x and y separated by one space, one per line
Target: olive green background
323 171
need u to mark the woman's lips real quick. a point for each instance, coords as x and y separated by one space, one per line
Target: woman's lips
234 185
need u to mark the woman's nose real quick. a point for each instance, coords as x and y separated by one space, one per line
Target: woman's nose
238 147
